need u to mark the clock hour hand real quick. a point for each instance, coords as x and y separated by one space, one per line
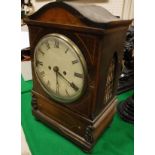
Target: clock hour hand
56 69
57 84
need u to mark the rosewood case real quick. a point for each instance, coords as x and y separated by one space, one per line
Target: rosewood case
100 36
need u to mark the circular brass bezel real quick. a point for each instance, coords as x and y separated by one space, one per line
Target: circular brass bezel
82 61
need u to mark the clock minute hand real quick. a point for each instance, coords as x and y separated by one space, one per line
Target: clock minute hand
70 83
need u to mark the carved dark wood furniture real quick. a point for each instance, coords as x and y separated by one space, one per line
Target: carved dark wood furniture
99 35
126 80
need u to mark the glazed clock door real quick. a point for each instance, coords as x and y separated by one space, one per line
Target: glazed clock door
60 68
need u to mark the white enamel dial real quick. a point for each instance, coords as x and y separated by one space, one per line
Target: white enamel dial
60 67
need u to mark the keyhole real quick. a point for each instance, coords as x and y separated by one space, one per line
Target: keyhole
49 67
64 72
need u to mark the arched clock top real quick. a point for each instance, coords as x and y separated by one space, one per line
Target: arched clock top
76 55
76 14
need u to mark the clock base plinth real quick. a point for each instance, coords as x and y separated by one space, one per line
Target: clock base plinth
90 130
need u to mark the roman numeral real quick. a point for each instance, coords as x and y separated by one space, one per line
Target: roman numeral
66 50
39 63
56 43
78 75
67 92
42 73
47 45
41 51
75 61
74 86
48 83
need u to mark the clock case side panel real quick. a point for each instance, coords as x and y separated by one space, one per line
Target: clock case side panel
111 47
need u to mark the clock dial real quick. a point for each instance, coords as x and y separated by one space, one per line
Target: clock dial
60 67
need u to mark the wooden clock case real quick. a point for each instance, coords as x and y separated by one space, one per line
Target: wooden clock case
101 43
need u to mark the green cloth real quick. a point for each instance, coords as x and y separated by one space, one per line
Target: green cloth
118 139
26 86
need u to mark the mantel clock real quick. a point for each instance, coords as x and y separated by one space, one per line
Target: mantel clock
76 52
